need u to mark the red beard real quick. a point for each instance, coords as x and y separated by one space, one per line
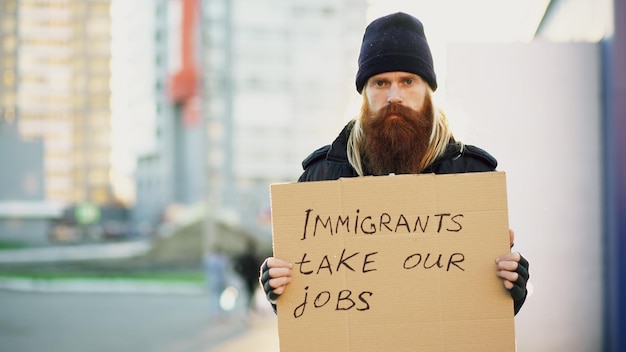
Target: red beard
396 139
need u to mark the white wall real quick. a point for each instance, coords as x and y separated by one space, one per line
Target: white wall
536 108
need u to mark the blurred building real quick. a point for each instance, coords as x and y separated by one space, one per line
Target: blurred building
159 136
55 87
278 76
24 213
142 118
61 78
230 97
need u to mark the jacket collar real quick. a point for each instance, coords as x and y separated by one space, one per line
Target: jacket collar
338 151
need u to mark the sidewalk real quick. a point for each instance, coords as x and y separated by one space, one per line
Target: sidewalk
261 334
261 337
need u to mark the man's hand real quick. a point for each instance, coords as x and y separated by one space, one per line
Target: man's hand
513 269
274 276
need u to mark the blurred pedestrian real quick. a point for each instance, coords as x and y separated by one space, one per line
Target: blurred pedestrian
216 267
399 131
247 266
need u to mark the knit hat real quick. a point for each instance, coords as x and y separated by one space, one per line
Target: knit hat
395 42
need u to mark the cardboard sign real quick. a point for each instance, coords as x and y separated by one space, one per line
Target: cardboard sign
394 263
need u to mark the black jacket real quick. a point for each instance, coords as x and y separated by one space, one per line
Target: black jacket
330 162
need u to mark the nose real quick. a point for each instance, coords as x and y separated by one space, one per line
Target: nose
394 96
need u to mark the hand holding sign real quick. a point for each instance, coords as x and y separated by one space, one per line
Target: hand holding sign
275 275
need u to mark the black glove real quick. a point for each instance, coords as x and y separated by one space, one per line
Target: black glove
519 292
265 282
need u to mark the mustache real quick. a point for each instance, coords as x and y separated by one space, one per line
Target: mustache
395 109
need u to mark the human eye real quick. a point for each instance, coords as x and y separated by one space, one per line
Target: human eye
379 83
409 81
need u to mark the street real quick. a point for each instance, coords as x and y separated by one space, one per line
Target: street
71 322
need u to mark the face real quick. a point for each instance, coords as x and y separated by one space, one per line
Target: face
397 123
402 88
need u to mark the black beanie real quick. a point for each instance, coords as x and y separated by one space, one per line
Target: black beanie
395 42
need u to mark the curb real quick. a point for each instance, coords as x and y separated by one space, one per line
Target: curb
73 253
100 286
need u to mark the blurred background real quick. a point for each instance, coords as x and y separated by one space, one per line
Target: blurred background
138 140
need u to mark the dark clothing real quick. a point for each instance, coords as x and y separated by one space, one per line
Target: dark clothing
331 162
247 265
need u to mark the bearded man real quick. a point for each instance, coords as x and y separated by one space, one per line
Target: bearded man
399 131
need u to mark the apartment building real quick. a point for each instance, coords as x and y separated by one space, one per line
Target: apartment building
55 65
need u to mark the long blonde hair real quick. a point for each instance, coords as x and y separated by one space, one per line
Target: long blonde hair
440 136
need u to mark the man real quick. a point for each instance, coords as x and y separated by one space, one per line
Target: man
399 131
247 266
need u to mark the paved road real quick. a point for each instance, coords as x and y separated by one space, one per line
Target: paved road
72 322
